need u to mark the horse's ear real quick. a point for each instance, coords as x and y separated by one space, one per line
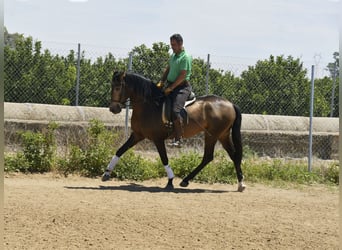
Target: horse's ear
123 75
115 72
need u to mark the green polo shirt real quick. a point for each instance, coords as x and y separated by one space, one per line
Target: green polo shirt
179 62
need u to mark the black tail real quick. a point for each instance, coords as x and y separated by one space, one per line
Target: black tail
236 135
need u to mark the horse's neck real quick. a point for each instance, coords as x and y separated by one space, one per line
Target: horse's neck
138 99
145 104
142 107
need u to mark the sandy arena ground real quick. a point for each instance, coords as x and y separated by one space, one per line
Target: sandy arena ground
53 212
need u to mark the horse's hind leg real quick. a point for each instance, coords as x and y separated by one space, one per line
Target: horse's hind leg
132 140
229 147
207 157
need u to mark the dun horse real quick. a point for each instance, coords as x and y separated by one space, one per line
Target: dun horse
217 117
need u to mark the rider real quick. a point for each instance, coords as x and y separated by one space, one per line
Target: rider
177 76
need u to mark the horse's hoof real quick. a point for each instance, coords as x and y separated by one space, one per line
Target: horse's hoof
169 185
105 177
241 187
184 183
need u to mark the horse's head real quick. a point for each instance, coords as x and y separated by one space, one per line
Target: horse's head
118 97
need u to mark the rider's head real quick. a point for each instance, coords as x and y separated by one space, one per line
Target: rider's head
176 42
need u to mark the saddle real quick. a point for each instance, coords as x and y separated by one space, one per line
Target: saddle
167 114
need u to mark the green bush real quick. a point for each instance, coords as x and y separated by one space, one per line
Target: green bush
134 167
16 163
72 163
96 152
292 172
185 163
39 151
91 159
330 174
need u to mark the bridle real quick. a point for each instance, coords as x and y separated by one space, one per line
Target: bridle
121 88
119 84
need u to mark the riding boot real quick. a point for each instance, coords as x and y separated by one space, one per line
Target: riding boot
178 130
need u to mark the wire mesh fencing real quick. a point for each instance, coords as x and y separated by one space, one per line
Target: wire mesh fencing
277 85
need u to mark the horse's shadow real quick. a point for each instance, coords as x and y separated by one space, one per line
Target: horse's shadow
133 187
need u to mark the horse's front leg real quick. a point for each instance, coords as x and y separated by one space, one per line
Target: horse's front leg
132 140
160 144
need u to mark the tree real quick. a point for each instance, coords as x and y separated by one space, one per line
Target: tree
40 77
198 76
327 89
150 62
95 79
276 86
11 38
33 76
322 100
333 67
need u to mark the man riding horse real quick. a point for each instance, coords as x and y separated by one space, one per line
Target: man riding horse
219 118
177 87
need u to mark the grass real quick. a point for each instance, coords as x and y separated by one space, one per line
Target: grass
39 155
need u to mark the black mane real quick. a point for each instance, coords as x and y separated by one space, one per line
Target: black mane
143 86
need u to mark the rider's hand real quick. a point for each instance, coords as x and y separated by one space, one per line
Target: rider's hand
160 84
167 91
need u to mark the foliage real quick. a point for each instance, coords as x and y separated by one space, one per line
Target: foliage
278 85
150 63
95 79
323 96
330 173
16 163
333 67
90 159
222 170
28 70
134 167
185 163
38 155
278 170
36 76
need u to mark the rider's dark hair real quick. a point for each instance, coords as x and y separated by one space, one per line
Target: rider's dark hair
177 37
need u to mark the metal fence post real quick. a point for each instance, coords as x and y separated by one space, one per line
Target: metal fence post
207 76
130 61
78 73
311 116
333 92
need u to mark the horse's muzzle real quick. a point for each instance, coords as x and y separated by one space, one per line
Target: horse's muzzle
115 107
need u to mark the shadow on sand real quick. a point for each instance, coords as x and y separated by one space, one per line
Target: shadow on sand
132 187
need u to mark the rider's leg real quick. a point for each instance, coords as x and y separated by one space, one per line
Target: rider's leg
178 130
179 97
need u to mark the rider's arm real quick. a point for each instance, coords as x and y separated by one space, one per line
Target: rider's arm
166 72
180 79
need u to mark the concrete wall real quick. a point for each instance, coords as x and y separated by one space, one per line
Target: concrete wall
266 134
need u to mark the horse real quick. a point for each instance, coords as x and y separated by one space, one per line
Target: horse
217 117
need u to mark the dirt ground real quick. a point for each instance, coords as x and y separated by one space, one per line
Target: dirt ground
53 212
